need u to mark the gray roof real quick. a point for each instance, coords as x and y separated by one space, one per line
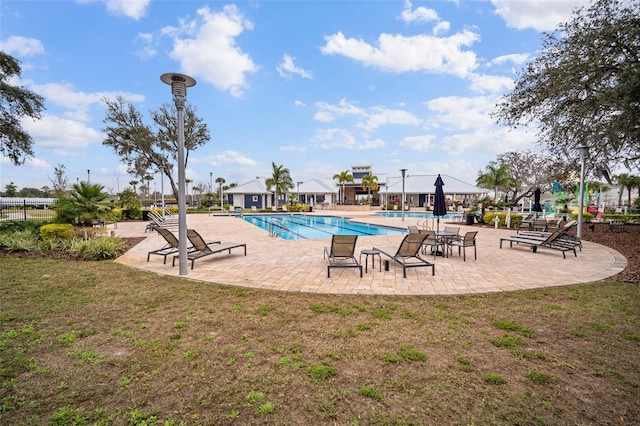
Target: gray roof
424 184
252 187
316 186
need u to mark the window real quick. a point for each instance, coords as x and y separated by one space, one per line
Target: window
255 198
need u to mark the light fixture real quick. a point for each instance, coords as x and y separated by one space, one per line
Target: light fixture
179 84
584 150
404 172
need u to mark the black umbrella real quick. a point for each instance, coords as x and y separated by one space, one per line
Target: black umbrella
439 203
536 200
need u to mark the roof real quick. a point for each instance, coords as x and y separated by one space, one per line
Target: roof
31 201
316 186
424 184
252 187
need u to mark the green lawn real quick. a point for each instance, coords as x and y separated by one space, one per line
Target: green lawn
99 343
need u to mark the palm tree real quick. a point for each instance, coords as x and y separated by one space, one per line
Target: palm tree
134 183
627 181
220 181
495 178
85 203
280 180
370 183
343 178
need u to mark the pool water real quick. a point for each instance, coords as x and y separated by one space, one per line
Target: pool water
299 227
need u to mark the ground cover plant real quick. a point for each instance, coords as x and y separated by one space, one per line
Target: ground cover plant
85 343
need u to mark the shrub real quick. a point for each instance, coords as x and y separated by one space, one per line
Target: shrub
13 226
19 241
516 219
98 249
60 231
587 217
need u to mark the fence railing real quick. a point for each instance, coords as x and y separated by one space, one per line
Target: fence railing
25 209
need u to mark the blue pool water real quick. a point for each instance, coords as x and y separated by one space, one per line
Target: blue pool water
298 227
424 214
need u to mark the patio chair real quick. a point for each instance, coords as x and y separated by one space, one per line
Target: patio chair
408 254
201 248
413 229
553 241
431 241
341 253
467 240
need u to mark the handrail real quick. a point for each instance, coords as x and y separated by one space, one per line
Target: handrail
275 223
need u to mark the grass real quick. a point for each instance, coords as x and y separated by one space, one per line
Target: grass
87 343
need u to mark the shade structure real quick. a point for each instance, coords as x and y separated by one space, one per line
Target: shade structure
439 203
536 200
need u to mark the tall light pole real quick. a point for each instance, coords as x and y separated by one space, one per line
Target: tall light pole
584 150
211 182
162 186
299 190
404 172
88 177
179 84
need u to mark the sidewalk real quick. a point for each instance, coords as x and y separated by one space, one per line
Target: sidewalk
275 264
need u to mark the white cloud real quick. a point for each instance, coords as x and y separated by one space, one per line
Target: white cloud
299 104
135 9
335 138
22 46
372 144
540 15
492 141
515 58
490 83
418 143
47 133
397 53
287 69
420 14
328 112
230 157
209 51
461 113
146 52
380 116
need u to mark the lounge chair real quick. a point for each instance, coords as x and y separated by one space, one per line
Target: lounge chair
408 254
413 229
467 240
170 247
553 241
564 236
201 248
159 221
341 253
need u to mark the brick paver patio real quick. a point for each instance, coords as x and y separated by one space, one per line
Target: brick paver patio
276 264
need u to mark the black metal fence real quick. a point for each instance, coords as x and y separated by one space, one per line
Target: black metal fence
25 209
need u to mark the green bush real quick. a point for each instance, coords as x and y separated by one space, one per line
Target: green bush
19 240
586 217
516 219
98 249
14 226
61 231
628 218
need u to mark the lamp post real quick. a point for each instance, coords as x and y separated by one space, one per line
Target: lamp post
162 186
299 191
88 177
179 84
404 172
584 150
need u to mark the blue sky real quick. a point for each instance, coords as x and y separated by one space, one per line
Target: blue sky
317 86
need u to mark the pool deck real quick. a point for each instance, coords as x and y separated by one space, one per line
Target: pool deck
298 266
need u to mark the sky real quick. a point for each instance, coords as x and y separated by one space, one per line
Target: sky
315 86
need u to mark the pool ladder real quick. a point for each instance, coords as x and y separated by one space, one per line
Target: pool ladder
276 227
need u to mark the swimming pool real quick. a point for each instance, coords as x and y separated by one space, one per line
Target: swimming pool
299 227
424 214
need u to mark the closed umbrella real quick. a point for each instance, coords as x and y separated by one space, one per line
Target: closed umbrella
536 200
439 204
